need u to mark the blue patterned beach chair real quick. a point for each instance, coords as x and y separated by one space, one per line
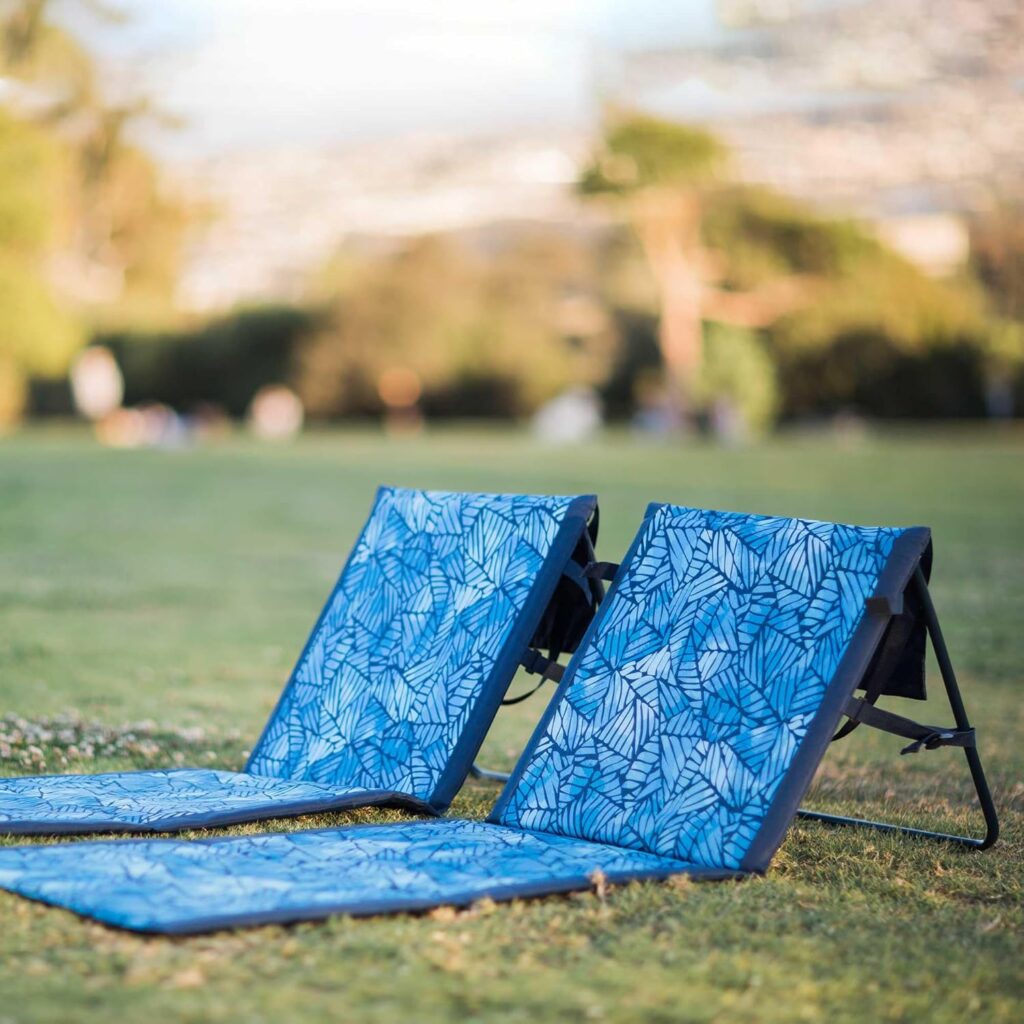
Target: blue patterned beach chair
398 682
682 737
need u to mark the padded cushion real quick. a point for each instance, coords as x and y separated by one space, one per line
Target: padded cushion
159 800
683 732
421 616
706 665
180 886
394 691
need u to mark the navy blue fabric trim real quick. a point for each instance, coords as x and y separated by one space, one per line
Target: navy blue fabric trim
908 550
507 663
513 780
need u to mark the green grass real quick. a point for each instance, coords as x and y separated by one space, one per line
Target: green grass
179 586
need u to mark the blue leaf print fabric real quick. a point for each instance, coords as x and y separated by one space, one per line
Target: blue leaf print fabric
396 686
425 607
661 753
192 886
158 800
707 664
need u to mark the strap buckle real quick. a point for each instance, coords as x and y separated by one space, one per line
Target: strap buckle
533 661
932 741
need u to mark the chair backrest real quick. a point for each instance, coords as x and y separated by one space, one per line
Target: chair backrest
695 711
419 640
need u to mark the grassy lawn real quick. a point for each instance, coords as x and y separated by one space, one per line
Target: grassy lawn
179 586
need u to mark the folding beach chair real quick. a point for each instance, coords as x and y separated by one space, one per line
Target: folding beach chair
681 739
397 684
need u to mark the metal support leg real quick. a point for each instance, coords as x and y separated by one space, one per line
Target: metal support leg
476 772
956 703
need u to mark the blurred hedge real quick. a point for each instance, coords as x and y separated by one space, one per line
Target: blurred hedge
223 363
491 332
863 370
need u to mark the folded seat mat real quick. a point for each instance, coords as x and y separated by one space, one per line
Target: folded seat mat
394 691
682 736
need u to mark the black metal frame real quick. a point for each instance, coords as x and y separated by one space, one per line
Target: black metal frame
535 663
920 583
962 723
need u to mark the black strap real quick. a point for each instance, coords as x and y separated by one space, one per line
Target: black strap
535 663
901 626
873 692
578 574
567 620
928 737
547 668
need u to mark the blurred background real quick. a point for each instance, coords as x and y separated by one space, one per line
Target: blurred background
721 217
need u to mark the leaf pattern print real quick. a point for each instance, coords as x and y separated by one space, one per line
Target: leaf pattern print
411 655
709 661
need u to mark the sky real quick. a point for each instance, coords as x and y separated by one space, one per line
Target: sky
269 72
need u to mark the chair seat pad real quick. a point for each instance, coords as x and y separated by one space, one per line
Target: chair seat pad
178 886
153 801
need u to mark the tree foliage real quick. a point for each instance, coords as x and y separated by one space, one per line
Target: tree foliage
79 203
997 257
659 169
511 326
739 370
859 328
221 363
641 152
37 335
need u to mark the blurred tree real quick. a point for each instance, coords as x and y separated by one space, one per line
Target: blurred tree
486 335
874 333
128 224
222 363
997 257
737 382
661 170
843 321
105 238
37 336
669 175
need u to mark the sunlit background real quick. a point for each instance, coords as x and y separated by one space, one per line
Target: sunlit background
718 217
